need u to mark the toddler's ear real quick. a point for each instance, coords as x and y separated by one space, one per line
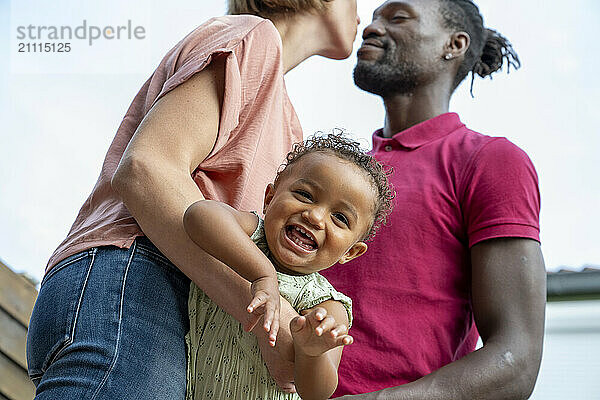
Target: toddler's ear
269 193
357 250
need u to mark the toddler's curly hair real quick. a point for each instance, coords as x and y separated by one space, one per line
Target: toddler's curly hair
339 145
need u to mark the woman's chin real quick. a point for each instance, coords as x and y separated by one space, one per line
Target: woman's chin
339 53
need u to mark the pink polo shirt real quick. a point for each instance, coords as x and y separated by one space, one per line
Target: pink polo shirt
257 128
412 288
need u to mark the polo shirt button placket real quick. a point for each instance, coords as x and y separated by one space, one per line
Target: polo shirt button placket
388 148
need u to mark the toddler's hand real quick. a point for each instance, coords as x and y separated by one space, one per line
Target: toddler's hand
265 302
316 332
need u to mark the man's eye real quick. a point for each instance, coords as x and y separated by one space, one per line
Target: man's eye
341 217
303 193
399 18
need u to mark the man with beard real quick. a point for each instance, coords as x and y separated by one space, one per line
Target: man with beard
460 254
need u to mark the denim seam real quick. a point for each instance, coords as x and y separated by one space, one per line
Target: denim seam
116 355
81 295
36 375
70 339
157 256
57 268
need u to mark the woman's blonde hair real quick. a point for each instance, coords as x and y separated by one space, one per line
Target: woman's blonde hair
270 8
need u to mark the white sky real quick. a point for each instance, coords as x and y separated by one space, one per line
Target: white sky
60 111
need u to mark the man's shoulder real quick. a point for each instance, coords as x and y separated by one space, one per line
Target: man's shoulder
470 139
495 149
478 145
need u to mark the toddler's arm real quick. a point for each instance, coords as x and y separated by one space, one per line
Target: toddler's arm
223 232
319 337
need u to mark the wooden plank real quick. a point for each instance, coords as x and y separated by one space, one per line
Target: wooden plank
581 297
13 339
14 382
17 295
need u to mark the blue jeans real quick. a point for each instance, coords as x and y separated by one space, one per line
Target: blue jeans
109 323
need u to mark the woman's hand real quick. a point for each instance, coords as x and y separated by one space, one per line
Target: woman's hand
280 359
265 301
316 332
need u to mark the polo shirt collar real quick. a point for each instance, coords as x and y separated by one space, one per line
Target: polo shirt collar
420 134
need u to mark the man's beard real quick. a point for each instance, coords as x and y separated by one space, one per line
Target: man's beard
386 76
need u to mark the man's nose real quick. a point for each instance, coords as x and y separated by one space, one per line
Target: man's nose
375 28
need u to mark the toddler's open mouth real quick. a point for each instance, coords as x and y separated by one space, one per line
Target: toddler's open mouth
301 238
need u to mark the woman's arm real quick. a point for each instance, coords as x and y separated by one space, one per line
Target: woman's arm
223 232
154 181
319 337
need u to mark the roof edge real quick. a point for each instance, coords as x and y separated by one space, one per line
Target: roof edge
583 285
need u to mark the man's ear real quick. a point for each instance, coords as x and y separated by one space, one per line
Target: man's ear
269 193
458 44
357 250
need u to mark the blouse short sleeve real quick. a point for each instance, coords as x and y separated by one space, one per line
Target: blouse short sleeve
251 47
317 290
501 194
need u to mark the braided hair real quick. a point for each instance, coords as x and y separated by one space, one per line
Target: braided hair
488 49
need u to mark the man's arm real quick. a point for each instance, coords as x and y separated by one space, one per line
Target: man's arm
509 298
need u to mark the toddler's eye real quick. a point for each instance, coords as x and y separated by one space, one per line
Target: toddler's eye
304 194
341 217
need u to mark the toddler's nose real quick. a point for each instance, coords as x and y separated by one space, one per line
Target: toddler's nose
314 217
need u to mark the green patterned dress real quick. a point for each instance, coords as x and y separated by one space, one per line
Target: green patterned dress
224 362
